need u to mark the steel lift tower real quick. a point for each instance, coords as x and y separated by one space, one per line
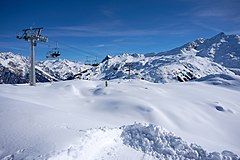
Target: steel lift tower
32 35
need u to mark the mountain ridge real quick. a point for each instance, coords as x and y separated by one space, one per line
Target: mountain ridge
217 55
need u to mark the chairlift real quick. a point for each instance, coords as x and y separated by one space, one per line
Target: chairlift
54 53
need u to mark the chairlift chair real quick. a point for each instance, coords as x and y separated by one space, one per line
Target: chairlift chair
54 53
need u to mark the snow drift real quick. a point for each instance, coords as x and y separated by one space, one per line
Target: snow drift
148 140
162 144
53 120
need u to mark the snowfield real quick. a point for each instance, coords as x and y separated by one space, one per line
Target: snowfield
128 119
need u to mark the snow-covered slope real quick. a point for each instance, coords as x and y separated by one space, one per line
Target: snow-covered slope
67 120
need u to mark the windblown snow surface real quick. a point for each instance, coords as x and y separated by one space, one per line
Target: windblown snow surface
126 120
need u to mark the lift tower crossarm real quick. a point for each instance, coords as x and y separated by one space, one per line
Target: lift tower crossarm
32 35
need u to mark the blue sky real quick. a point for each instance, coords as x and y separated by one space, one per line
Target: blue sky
86 29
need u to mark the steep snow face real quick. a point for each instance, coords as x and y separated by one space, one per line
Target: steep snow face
62 69
181 67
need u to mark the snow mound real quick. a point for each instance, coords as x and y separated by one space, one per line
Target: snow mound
162 144
147 141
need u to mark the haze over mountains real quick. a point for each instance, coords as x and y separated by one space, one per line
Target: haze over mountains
217 55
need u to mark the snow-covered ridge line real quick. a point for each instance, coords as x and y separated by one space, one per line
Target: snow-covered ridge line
221 48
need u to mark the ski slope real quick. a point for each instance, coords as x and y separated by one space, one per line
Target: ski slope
128 119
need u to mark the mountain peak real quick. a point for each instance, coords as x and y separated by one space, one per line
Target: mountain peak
106 58
220 35
8 55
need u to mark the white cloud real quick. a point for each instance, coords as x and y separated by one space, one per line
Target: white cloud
208 27
108 12
100 45
211 13
114 29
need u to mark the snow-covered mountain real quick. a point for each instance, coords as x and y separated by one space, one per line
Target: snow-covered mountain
62 69
217 55
181 67
223 49
14 69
